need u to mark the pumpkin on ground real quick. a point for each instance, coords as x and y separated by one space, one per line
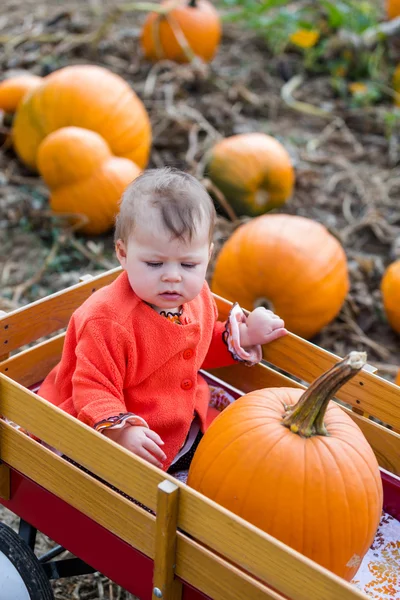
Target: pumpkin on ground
296 466
89 97
253 171
84 177
192 28
393 8
396 85
288 263
13 90
390 289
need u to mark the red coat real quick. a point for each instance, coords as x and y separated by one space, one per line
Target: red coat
121 356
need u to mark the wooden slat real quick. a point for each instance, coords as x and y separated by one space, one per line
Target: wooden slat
164 583
369 393
291 353
217 578
220 580
252 550
44 317
4 351
5 481
384 442
32 365
127 520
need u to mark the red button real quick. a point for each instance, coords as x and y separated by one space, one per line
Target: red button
188 353
187 384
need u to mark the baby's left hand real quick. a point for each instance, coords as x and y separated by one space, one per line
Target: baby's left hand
262 326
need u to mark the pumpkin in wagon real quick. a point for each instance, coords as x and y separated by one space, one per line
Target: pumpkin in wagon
181 31
84 177
89 97
254 172
290 264
296 466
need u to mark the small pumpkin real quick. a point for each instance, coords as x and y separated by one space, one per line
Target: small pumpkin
393 8
296 466
288 263
192 28
253 171
89 97
13 90
390 289
84 177
396 85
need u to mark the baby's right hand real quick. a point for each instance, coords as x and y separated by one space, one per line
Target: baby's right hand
142 441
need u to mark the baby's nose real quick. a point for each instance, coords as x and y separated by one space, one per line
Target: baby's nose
172 275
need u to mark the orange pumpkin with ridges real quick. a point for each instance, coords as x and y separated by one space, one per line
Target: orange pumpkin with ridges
13 90
89 97
253 171
296 466
197 20
289 263
390 289
84 177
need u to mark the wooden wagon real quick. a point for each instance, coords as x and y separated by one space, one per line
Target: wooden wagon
183 545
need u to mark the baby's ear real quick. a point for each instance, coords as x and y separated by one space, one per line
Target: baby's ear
120 250
211 250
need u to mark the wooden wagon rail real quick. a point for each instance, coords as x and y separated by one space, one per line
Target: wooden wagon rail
206 546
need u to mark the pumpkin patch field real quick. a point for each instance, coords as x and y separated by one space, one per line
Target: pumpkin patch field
289 114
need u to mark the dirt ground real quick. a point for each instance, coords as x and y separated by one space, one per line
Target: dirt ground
347 167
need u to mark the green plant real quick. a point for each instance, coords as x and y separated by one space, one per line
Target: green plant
328 34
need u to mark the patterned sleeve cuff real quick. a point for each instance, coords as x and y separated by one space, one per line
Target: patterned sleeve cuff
231 337
119 421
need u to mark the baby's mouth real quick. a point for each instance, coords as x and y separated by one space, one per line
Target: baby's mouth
171 294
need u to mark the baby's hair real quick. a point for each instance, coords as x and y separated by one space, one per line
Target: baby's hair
183 203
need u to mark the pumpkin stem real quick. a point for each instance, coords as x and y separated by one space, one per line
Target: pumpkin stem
306 418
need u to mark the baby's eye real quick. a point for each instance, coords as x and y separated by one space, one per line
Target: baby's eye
154 264
188 265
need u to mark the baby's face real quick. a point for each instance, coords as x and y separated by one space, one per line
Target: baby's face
162 271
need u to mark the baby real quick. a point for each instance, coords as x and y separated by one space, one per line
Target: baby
133 350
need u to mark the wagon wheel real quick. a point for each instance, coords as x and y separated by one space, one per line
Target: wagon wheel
22 576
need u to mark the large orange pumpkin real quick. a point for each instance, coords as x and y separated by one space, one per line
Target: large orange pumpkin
84 177
84 96
253 171
13 90
390 289
196 20
289 263
303 475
